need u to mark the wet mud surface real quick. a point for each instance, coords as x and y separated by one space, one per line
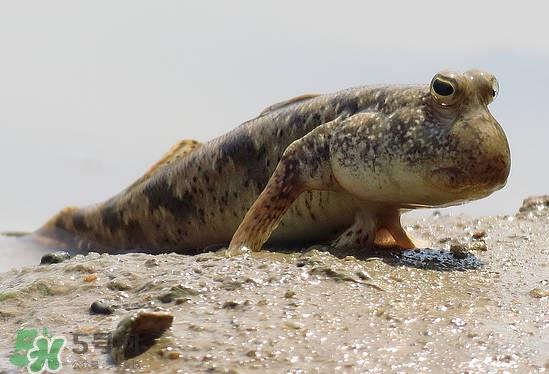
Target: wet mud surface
477 301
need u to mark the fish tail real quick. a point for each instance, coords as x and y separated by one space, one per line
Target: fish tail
67 229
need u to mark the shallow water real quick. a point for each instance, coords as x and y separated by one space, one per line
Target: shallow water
427 311
16 252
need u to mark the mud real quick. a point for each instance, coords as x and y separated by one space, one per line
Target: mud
477 301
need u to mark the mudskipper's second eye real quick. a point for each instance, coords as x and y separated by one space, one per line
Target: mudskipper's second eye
495 88
442 88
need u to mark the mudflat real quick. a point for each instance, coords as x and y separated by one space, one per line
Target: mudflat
476 301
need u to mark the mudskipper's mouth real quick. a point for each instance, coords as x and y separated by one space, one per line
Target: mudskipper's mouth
451 178
461 184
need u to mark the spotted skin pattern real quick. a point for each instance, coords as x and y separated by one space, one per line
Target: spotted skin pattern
337 168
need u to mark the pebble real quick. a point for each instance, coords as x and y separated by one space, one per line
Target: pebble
170 353
90 278
289 294
538 293
235 304
479 234
54 258
137 332
535 203
461 250
101 307
119 285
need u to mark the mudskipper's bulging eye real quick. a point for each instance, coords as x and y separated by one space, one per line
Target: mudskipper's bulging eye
442 88
445 88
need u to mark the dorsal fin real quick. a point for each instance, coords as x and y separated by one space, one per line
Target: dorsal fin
178 151
285 103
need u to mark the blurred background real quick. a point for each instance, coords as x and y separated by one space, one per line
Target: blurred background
92 93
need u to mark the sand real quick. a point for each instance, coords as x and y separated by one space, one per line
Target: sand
476 301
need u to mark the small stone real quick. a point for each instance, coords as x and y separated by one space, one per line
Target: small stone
478 245
461 250
539 293
170 353
101 307
137 333
54 258
231 305
479 234
235 304
166 298
289 294
535 203
119 285
90 278
252 354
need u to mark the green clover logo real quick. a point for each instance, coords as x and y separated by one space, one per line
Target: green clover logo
38 352
46 354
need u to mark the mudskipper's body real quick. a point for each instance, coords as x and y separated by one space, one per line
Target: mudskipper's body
337 168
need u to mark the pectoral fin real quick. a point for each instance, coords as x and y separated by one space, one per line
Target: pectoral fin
304 166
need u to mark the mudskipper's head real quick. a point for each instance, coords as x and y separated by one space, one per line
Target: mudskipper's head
476 160
433 145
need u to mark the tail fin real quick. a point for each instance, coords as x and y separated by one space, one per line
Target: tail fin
101 225
66 230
